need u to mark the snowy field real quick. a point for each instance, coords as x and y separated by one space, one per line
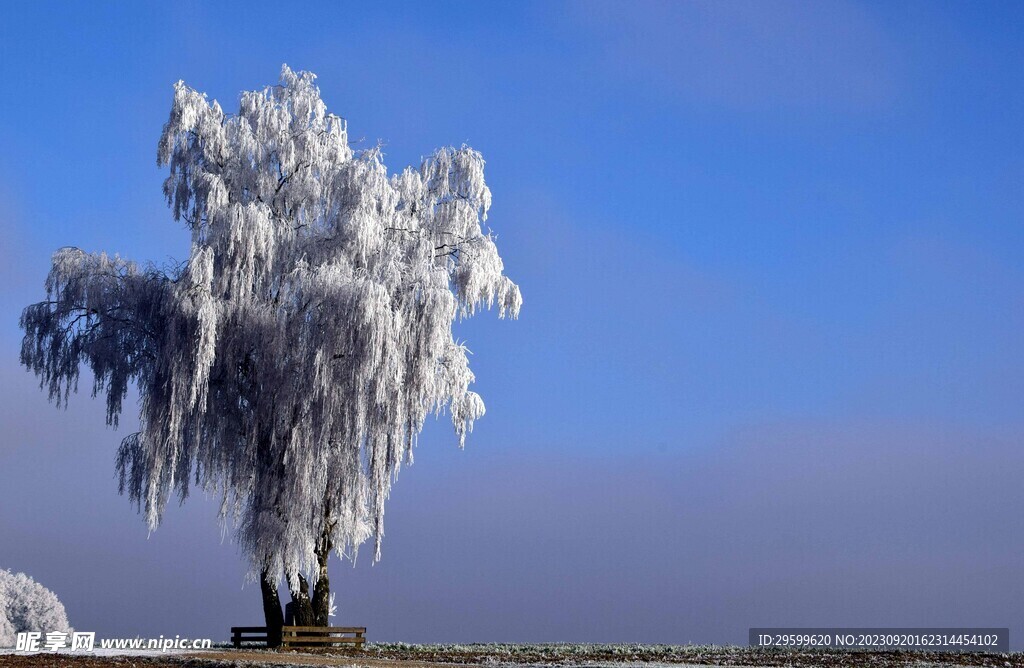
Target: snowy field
501 656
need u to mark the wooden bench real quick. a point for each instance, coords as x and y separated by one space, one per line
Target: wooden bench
294 636
240 634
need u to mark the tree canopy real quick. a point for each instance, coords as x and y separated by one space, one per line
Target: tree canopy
26 605
290 362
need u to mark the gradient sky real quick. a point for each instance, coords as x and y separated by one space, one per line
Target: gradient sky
769 369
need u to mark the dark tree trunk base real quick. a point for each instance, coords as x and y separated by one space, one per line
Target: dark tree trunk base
271 610
302 607
322 593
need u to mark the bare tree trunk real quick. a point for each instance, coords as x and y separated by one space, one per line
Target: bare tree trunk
301 604
322 593
271 609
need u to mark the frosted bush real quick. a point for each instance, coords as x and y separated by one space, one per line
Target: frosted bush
26 605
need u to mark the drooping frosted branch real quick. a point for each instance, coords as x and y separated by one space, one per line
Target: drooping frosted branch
101 311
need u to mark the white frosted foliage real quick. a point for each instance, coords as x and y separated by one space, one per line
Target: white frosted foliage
26 605
290 363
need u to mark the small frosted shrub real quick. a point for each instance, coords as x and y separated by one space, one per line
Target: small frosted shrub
26 605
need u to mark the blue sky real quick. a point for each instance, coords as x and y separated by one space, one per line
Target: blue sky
769 368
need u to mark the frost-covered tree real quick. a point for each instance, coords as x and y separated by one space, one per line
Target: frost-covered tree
289 364
26 605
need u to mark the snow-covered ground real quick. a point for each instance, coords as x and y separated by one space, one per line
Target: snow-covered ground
97 652
508 656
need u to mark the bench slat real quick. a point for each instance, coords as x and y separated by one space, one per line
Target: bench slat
326 629
320 640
